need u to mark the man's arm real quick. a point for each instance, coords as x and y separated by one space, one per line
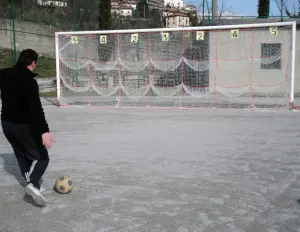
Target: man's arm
35 107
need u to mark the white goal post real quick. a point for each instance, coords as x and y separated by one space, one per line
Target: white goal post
246 65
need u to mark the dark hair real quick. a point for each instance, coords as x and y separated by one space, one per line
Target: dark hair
26 57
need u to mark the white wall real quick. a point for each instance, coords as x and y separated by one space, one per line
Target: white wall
174 3
234 69
53 2
125 12
122 11
177 21
40 37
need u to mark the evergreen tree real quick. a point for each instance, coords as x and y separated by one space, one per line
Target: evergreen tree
105 50
104 14
263 8
193 18
143 9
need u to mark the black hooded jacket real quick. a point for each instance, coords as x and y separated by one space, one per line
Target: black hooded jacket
21 102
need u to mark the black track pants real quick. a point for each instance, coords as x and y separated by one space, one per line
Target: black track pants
31 154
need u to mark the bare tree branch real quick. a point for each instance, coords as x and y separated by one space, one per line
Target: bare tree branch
222 9
291 13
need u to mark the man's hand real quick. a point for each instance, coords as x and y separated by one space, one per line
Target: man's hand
47 140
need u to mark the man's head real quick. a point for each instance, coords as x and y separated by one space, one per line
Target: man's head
28 58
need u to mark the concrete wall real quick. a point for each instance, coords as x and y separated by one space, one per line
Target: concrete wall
235 70
28 35
233 48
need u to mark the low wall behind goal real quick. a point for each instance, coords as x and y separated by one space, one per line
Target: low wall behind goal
254 57
39 37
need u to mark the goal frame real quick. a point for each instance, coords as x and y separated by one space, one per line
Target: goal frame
293 25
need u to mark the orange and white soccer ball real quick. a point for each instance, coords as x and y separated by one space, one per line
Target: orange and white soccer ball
63 184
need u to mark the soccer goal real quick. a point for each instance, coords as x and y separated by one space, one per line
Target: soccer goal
228 66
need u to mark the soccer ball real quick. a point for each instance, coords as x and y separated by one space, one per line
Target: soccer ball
63 184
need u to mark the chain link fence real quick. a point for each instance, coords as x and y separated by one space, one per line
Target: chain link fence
33 23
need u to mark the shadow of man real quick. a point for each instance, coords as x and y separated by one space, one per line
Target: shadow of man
11 166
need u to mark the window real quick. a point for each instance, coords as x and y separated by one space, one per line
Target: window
272 51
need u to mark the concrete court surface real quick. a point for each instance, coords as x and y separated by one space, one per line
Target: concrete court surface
162 171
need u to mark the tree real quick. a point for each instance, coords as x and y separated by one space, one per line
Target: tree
155 19
294 12
104 14
263 8
224 9
193 18
5 9
155 15
143 9
105 50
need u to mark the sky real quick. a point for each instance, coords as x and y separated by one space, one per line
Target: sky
247 7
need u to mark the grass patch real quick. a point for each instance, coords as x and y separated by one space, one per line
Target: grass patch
6 58
48 94
45 66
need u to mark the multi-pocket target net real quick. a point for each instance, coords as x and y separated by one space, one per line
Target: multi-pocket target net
231 66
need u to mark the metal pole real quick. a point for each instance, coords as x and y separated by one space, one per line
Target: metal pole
14 32
214 10
294 31
75 28
203 9
74 15
138 26
281 10
21 10
57 67
209 19
137 12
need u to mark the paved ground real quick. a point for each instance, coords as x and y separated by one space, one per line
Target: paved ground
163 170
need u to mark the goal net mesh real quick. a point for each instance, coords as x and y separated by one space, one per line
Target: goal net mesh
228 68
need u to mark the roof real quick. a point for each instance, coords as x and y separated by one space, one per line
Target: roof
128 1
173 11
177 14
122 7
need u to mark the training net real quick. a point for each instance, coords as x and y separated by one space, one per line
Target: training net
217 67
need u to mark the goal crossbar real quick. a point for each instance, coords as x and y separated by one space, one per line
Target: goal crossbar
202 28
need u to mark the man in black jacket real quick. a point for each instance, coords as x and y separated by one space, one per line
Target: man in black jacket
23 121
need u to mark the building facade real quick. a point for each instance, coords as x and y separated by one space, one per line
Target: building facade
174 3
156 4
190 7
123 10
176 20
52 3
130 3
